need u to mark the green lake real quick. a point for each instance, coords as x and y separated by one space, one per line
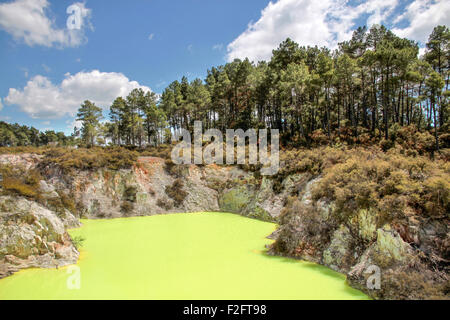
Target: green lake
179 256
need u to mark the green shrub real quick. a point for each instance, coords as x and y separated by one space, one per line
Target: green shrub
78 241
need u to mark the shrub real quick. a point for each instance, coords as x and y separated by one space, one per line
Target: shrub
315 234
176 192
389 183
436 196
127 207
25 149
130 194
412 285
165 204
18 187
386 144
78 241
175 170
22 182
319 137
114 158
162 151
412 140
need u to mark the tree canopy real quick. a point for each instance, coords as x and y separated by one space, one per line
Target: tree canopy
363 90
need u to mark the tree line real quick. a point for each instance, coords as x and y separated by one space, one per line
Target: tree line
17 135
365 89
373 82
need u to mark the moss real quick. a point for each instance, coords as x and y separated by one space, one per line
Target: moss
338 252
390 248
216 183
235 200
261 214
367 222
68 202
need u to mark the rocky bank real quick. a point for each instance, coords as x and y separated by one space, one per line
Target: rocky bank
32 235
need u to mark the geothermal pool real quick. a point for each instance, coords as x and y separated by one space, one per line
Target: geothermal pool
208 256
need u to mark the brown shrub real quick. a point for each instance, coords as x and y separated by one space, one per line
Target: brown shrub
412 285
165 204
22 182
162 151
176 192
127 207
130 193
388 182
68 160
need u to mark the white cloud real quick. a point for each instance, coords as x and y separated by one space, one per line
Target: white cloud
27 21
422 16
422 51
218 46
1 104
308 22
71 124
42 99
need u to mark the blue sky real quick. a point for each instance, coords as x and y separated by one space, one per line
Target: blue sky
47 71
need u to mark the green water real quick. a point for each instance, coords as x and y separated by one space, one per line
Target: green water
180 256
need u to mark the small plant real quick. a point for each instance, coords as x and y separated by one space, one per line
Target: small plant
127 207
130 194
165 204
78 241
176 192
